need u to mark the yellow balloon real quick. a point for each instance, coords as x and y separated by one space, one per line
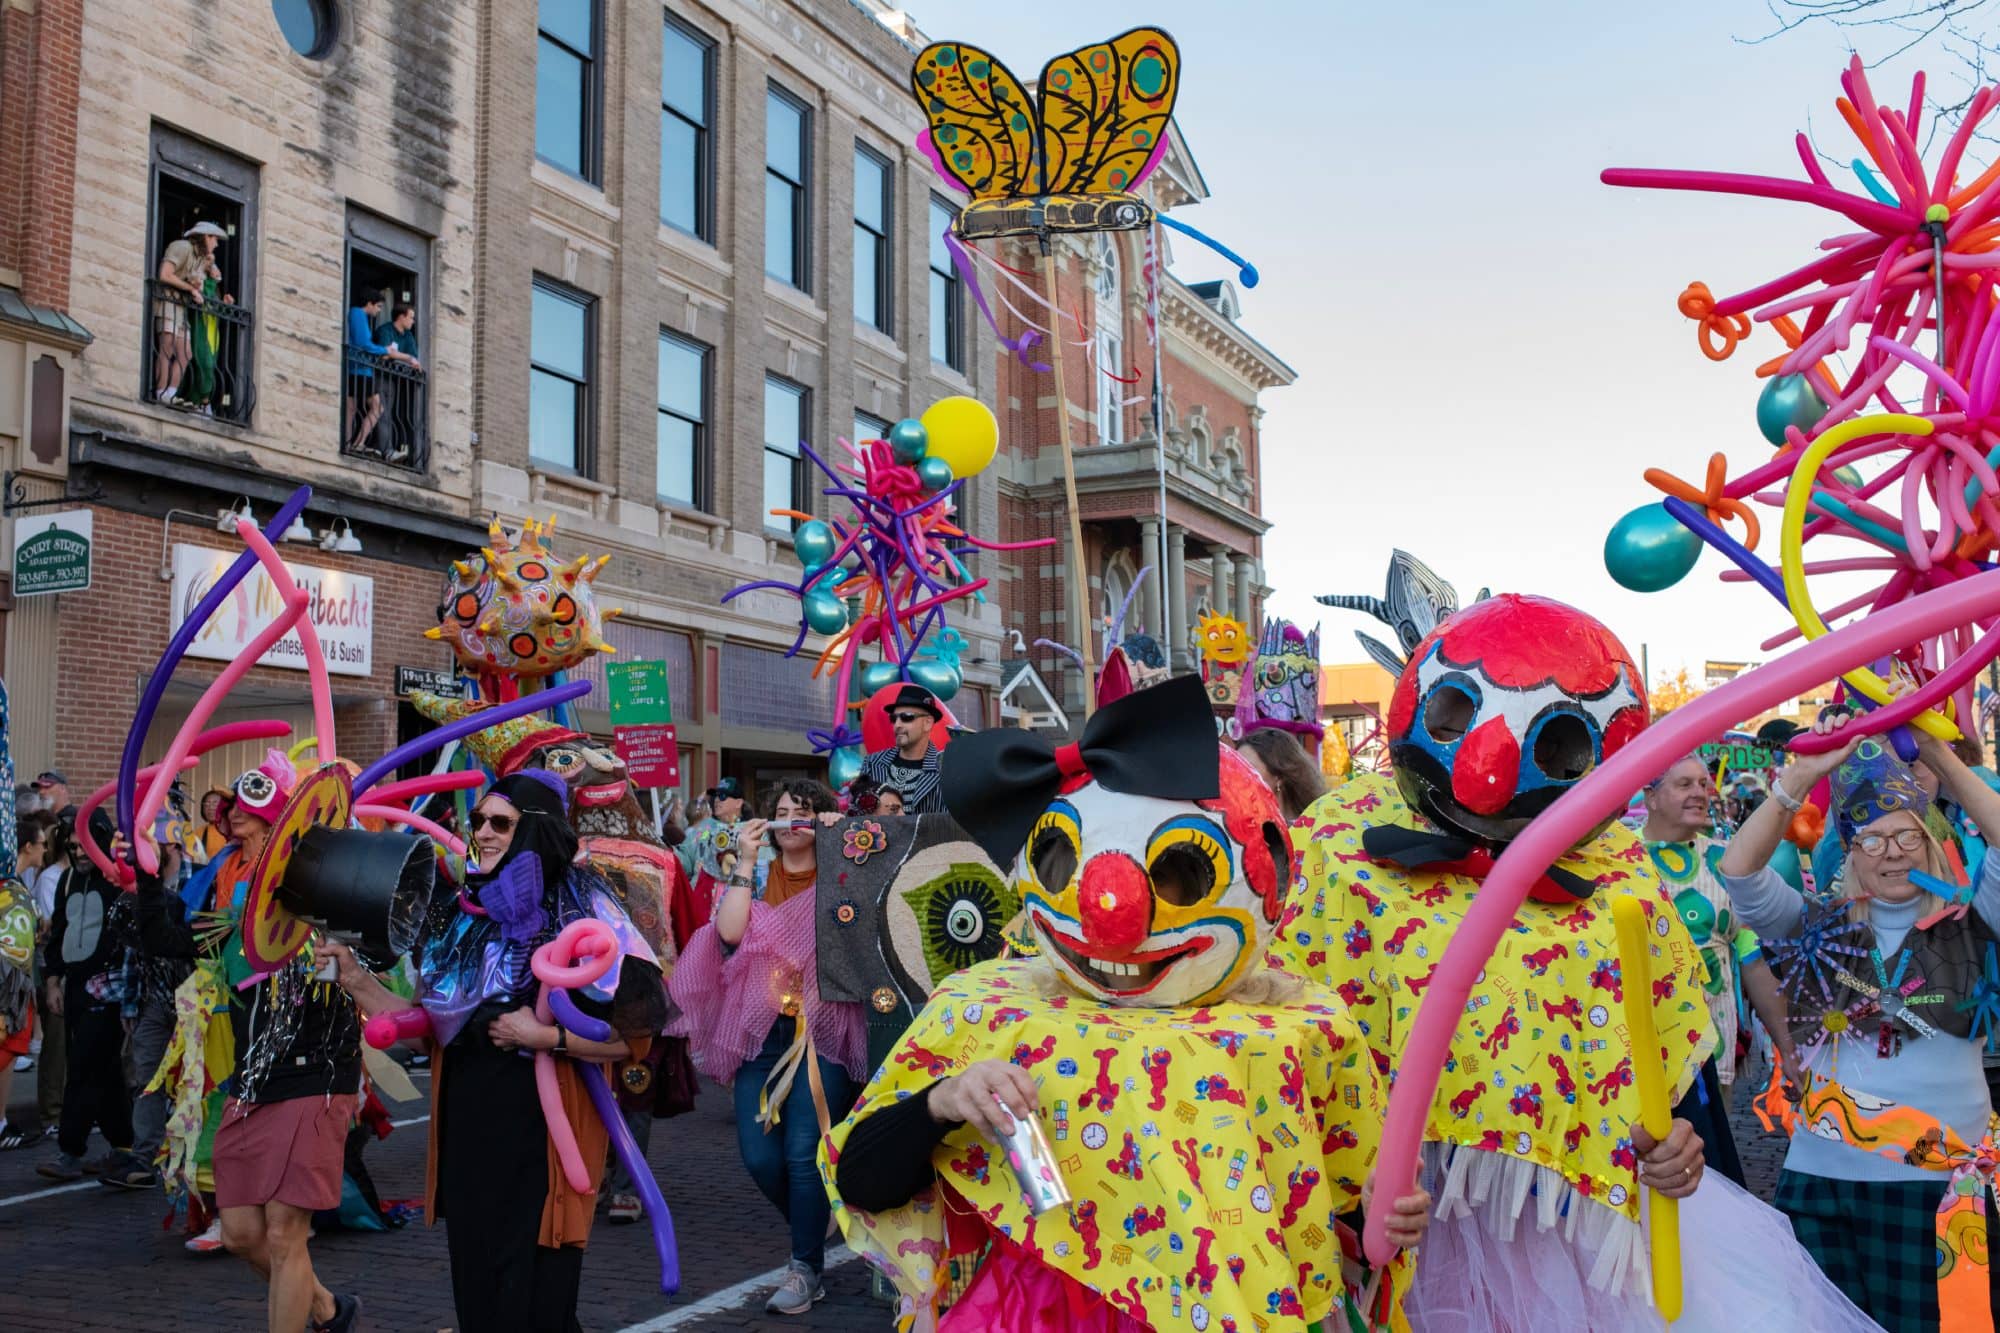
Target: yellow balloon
963 433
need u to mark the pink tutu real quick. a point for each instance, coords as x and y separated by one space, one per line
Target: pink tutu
1012 1293
728 1001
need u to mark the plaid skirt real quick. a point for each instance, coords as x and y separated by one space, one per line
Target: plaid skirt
1876 1241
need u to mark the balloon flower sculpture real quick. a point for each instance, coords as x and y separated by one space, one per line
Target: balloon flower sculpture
1894 455
1918 259
885 574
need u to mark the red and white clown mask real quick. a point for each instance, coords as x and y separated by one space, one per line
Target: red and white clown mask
1152 863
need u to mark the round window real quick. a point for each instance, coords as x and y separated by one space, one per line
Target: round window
308 25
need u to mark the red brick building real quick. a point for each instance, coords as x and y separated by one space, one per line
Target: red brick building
1165 422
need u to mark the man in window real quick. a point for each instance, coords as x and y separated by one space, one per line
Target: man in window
911 768
405 404
363 398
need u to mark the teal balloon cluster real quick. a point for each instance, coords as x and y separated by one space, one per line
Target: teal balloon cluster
911 443
940 676
1648 549
1788 400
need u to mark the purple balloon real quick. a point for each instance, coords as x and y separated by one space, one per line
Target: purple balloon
465 726
156 684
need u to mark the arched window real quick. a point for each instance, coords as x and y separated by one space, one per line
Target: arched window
1110 343
1120 573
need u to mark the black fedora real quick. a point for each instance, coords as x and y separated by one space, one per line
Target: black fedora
915 696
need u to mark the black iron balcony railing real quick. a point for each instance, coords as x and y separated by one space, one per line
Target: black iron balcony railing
198 354
385 410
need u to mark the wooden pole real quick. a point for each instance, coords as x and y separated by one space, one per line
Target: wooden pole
1079 574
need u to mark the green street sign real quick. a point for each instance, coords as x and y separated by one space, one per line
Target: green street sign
639 694
52 553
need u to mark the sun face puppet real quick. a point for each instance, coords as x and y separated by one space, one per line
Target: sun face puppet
1503 708
1151 862
513 611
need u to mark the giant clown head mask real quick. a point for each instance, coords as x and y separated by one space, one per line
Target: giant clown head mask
1503 708
1151 861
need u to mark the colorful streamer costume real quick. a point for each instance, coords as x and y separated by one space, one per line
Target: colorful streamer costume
1688 870
1211 1120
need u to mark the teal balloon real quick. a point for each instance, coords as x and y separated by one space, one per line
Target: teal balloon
1786 862
879 675
844 765
1648 549
1788 400
825 613
940 678
908 440
813 543
934 473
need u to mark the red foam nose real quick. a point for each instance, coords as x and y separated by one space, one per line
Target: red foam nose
1487 766
1115 903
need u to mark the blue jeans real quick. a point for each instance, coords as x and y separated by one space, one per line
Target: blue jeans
783 1161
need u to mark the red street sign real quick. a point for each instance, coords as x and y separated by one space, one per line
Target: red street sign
652 756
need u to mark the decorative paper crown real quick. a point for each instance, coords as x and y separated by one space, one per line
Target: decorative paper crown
1872 783
503 747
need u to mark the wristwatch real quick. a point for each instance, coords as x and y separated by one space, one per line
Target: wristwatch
562 1041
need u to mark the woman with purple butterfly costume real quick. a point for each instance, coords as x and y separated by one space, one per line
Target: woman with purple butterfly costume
515 1227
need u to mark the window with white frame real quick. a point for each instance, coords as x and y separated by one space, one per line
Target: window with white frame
1110 344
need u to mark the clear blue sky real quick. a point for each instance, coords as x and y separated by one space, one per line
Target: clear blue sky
1487 345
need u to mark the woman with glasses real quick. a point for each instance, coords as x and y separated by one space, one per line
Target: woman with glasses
747 986
514 1227
1892 995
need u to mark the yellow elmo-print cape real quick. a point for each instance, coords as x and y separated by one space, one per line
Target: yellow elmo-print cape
1208 1151
1541 1064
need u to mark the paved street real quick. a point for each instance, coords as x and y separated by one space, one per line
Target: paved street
83 1257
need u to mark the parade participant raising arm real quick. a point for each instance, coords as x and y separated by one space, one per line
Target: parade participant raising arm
1895 1100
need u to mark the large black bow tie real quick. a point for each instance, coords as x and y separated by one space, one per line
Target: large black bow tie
1155 742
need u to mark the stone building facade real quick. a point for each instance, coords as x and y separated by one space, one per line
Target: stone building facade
698 220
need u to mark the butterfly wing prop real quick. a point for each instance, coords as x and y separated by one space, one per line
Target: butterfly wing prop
982 123
1104 112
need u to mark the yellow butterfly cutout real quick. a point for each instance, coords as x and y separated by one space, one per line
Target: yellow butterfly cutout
1069 159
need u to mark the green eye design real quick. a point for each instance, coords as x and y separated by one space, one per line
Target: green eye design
960 916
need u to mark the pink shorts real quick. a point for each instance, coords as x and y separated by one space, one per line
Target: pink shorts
282 1152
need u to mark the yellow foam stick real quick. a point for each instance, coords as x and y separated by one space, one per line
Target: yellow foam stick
1792 554
1656 1111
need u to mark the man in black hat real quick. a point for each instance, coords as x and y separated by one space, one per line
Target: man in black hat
912 766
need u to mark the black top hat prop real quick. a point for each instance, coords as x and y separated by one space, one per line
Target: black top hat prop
316 871
370 888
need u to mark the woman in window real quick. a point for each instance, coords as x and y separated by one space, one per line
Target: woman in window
181 274
1893 1091
747 987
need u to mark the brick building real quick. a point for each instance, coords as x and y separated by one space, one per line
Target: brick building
647 250
1172 430
326 163
706 239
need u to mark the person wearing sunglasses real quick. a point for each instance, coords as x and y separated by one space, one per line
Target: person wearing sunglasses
1889 1015
514 1228
911 767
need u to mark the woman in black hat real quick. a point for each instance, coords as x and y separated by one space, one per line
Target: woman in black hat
515 1228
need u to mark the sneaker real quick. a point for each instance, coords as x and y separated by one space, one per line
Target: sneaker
796 1294
12 1136
129 1172
23 1063
62 1167
98 1165
625 1208
209 1241
346 1316
167 395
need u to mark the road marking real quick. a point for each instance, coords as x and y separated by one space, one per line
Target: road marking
413 1120
48 1193
729 1297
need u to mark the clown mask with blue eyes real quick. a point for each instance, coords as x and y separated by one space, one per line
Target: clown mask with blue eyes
1140 901
1503 708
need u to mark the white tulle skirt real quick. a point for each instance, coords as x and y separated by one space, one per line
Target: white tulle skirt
1531 1260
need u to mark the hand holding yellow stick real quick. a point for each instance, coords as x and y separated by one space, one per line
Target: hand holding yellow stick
1655 1109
